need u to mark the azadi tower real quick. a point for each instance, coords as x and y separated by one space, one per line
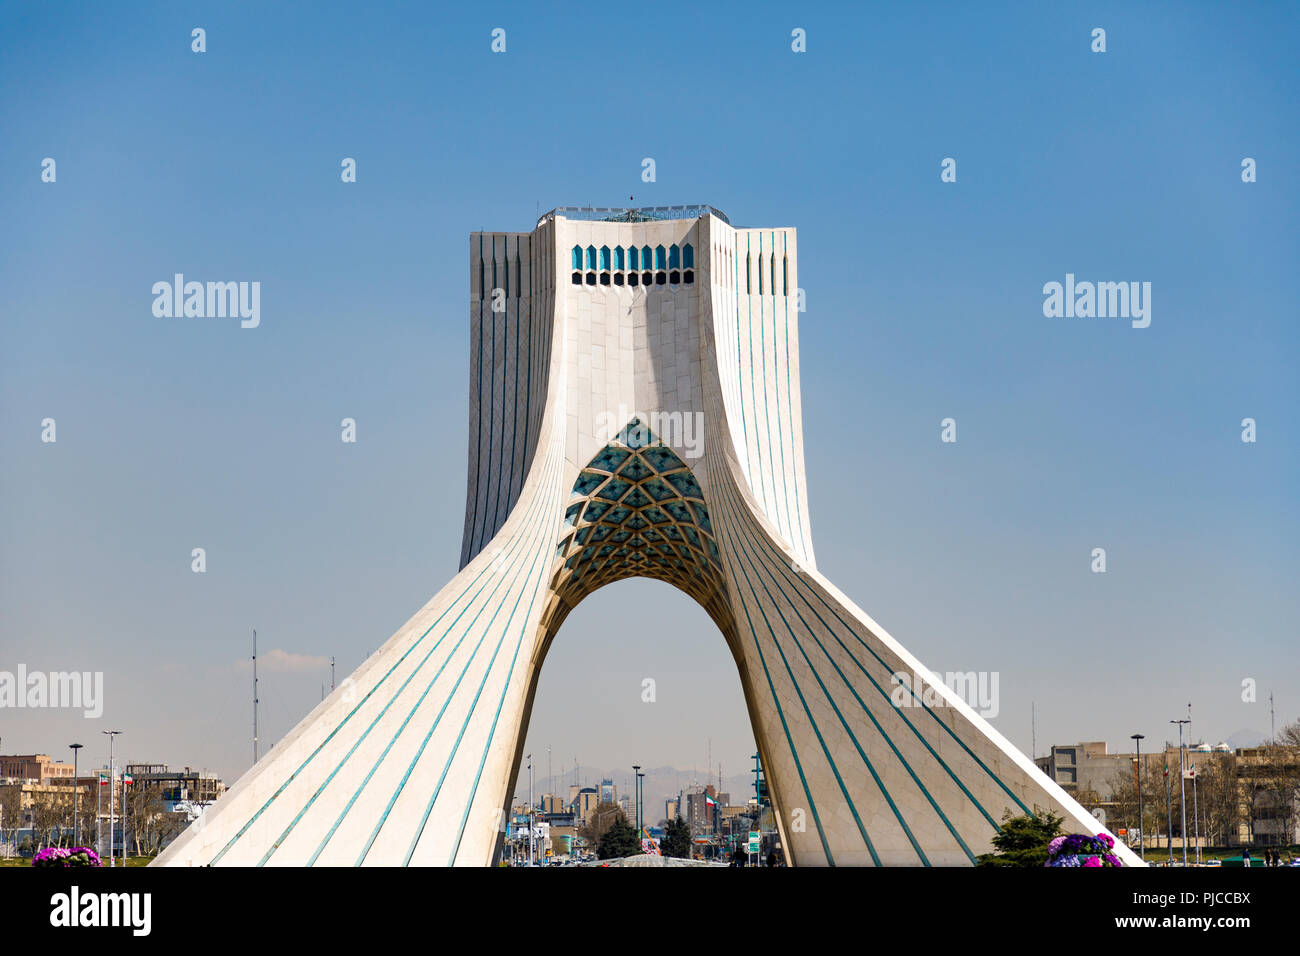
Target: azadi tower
634 410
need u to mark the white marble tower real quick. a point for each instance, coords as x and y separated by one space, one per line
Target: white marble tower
634 410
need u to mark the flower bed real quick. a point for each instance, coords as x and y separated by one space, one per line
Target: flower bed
62 856
1079 849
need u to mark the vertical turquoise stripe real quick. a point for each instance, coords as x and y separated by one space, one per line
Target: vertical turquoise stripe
785 726
919 701
513 577
754 535
780 437
735 554
490 518
541 549
513 546
769 506
473 536
740 379
370 693
789 396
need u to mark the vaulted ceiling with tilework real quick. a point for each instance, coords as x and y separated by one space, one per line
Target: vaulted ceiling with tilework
637 511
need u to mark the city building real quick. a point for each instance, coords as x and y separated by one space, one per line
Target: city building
582 803
702 809
39 767
181 789
1267 781
553 804
1268 793
601 343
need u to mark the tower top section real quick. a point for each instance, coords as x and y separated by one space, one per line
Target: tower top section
631 214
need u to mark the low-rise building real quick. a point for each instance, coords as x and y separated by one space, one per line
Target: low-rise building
39 767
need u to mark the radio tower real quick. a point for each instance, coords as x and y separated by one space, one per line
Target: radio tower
254 695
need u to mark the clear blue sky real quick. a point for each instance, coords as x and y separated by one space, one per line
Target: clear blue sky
924 301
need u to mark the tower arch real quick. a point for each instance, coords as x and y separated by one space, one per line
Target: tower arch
870 758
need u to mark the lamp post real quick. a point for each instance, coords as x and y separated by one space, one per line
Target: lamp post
640 816
125 780
1142 829
111 734
636 798
76 797
1196 817
1182 786
1169 806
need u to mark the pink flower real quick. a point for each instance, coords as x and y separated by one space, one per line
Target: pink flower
1092 861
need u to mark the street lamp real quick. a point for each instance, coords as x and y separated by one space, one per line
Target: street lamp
111 734
640 817
636 798
1142 829
1182 781
76 797
532 823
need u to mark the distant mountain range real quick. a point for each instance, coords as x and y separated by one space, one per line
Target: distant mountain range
1246 738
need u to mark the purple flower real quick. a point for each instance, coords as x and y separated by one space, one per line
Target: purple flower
1055 846
1077 843
1112 860
61 857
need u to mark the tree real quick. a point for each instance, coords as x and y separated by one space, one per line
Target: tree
677 839
152 826
1022 841
1220 802
10 811
50 813
601 819
619 840
1156 793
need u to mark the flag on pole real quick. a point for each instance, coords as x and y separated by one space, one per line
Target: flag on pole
103 779
127 778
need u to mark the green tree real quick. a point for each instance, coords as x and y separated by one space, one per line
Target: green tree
618 841
601 819
677 839
1023 840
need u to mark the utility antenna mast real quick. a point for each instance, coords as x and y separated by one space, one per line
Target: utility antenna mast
254 695
1033 729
